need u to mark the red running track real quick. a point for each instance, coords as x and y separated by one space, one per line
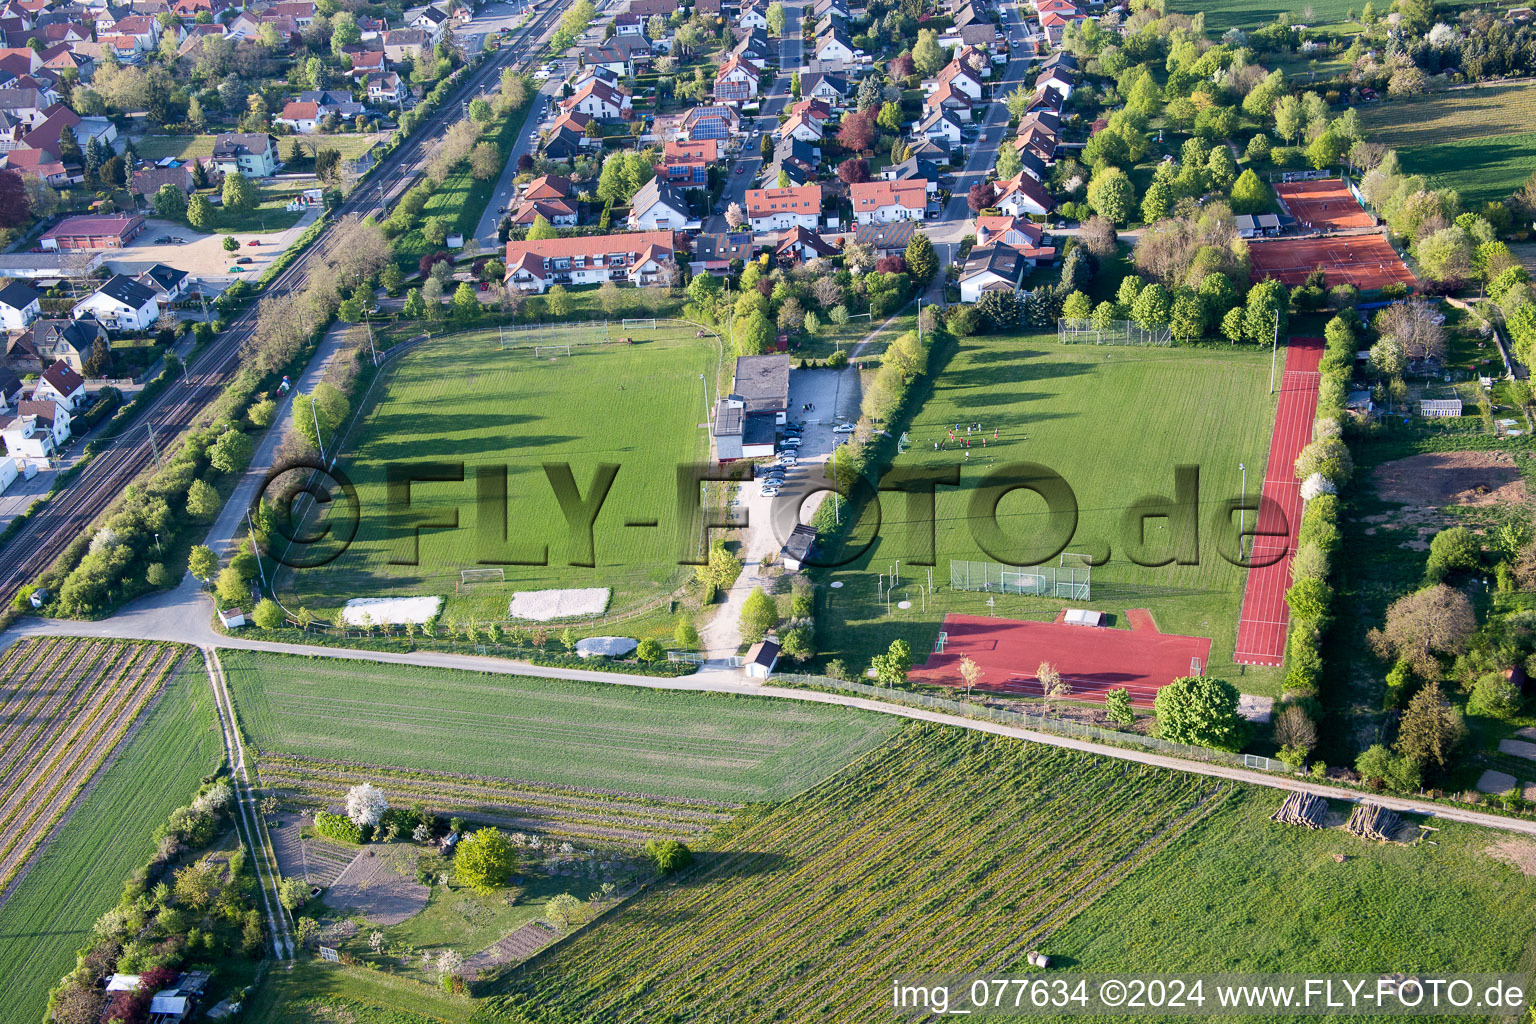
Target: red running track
1261 628
1090 658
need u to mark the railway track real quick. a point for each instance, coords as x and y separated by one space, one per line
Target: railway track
66 515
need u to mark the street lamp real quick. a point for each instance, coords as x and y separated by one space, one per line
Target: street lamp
158 547
1242 511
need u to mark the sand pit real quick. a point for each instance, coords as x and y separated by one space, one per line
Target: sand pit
605 646
390 611
543 605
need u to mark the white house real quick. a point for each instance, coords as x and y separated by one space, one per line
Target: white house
38 429
1023 196
659 207
433 21
753 15
993 268
641 258
940 126
19 306
169 284
835 45
1057 80
253 154
881 202
762 658
597 99
779 209
61 384
122 304
959 77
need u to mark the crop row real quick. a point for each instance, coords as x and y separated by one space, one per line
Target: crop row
946 851
544 812
93 701
55 688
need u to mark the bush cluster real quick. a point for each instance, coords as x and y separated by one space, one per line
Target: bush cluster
339 827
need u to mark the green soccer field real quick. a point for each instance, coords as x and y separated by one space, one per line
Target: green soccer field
464 402
616 738
1114 422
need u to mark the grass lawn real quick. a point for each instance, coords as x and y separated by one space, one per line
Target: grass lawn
1221 15
1114 422
1494 108
269 215
946 850
1240 893
617 738
314 992
463 401
81 872
184 147
1482 170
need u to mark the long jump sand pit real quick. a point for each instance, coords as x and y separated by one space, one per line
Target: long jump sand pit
390 611
1366 261
544 605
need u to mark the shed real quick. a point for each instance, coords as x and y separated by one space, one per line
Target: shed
1083 617
231 617
762 657
1440 408
797 549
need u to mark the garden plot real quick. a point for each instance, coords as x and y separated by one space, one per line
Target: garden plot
515 948
380 884
390 611
316 861
544 605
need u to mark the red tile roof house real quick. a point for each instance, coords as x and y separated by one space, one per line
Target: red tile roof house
93 232
779 209
561 213
687 163
641 258
549 186
880 202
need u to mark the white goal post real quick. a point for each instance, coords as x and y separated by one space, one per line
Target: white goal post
541 351
469 577
639 325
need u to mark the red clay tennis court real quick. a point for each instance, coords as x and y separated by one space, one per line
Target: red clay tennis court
1365 261
1262 625
1093 659
1325 204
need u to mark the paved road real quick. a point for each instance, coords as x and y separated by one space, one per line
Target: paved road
744 173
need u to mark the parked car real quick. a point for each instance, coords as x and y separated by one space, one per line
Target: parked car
253 243
237 270
770 492
844 428
243 260
790 442
163 240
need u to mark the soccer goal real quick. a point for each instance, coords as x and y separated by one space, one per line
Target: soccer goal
470 577
550 351
639 325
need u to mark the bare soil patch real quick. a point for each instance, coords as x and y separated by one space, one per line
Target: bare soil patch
1518 853
1441 479
381 885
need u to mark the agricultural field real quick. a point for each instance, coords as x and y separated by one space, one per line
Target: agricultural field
1455 905
1065 407
535 747
1482 170
79 872
1221 15
945 850
65 705
468 403
1455 115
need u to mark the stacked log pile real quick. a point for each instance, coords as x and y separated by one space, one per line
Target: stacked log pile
1302 809
1373 821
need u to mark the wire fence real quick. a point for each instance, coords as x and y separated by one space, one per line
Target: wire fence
1041 723
1087 331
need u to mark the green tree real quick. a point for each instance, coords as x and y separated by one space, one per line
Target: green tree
415 307
776 18
754 335
668 855
890 117
484 860
1201 711
326 407
558 301
1117 706
650 650
267 614
230 243
892 666
1153 307
1008 163
480 111
1249 194
466 304
202 504
1430 729
758 615
927 55
1157 203
231 587
1265 313
170 202
1452 550
202 563
239 194
231 452
200 213
1077 306
922 261
1111 194
685 636
1188 319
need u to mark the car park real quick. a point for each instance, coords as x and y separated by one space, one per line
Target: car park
844 428
790 442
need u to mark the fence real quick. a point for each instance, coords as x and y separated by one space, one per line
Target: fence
1041 723
1071 582
1070 331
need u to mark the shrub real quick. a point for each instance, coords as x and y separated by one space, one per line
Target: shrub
1117 706
338 827
268 615
668 855
758 615
1200 710
1494 695
485 859
650 649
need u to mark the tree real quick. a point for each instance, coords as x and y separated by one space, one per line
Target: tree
202 563
734 216
480 111
1431 621
231 452
981 196
203 504
922 261
484 860
685 636
1157 203
1188 319
1249 194
1430 729
1117 706
890 117
541 229
1111 194
1051 684
776 18
891 667
267 614
199 213
327 405
170 202
366 804
484 161
466 304
668 855
857 132
1294 728
928 57
754 336
970 673
1099 237
853 170
1201 711
758 615
239 194
230 243
1152 307
1008 163
1452 550
1494 694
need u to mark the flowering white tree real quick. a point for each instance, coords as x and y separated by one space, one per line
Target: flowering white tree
448 963
1317 485
366 804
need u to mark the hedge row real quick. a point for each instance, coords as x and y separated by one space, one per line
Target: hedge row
338 827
